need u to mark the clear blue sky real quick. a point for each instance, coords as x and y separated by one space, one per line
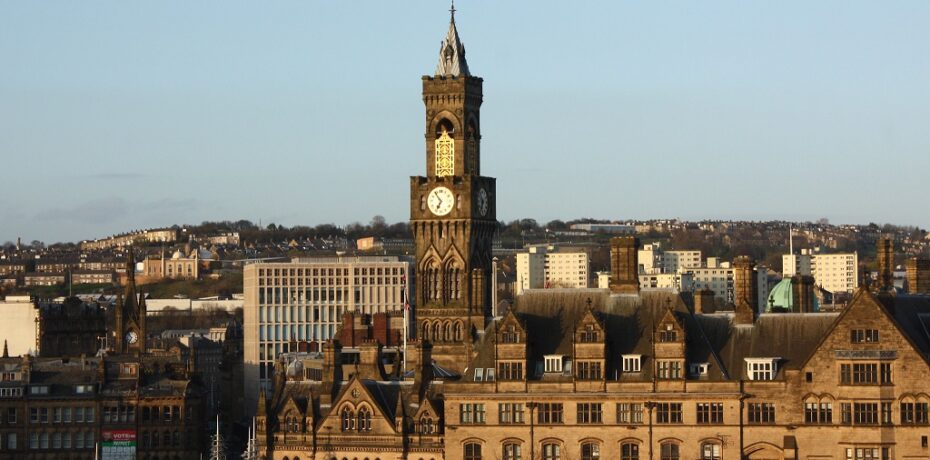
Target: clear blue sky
121 115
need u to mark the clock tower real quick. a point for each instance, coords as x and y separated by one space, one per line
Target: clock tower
129 316
452 212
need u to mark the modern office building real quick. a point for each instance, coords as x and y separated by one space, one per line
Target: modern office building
298 305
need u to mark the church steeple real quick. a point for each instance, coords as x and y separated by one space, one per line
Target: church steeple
452 53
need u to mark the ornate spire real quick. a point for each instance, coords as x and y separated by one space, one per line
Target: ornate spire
452 53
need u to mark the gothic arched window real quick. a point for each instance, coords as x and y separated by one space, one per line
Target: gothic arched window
348 419
291 425
364 419
458 333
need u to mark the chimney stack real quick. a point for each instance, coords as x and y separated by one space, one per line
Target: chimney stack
802 287
918 275
745 290
624 265
885 259
704 301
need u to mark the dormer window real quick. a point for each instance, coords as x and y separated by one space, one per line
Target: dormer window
510 335
553 363
589 334
669 334
479 374
699 369
632 363
761 368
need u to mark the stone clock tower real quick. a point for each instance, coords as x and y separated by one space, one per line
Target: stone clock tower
129 316
452 212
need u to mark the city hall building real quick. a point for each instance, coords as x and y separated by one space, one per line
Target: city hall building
614 373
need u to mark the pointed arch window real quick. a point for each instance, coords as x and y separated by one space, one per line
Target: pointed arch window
426 425
348 419
458 332
291 425
364 419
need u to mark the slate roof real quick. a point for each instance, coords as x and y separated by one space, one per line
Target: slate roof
550 317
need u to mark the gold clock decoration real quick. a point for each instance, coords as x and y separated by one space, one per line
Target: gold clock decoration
445 155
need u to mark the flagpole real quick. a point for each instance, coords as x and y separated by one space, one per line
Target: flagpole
406 325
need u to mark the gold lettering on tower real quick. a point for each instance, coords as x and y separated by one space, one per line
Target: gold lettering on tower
445 155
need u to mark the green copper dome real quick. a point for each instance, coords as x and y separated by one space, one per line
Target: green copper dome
781 297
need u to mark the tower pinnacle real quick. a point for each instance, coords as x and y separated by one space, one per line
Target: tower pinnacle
452 53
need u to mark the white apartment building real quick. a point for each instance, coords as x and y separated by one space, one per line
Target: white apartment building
718 276
300 304
18 327
679 282
836 272
548 266
832 272
653 260
796 264
672 261
650 258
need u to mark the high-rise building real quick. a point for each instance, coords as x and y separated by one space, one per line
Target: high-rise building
836 272
543 266
298 305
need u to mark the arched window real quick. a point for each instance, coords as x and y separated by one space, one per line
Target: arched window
710 451
291 425
629 451
458 331
513 451
176 439
437 331
669 451
154 439
472 451
447 332
590 451
364 419
426 425
425 334
348 419
552 451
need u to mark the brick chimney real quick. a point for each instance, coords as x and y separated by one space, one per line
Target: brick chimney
704 301
802 290
624 265
745 290
885 259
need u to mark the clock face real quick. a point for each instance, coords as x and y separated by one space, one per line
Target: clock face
482 202
440 201
132 337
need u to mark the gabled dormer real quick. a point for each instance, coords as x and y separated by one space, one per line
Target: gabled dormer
669 344
510 353
356 411
588 349
427 420
292 424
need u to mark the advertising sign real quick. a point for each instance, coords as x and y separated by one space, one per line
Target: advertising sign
117 445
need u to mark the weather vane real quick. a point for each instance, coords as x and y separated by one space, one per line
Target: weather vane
452 10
